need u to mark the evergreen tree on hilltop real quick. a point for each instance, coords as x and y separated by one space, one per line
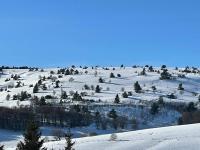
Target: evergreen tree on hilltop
137 87
69 143
117 100
31 139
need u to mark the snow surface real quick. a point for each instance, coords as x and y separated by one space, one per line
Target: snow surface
168 138
186 137
128 77
181 137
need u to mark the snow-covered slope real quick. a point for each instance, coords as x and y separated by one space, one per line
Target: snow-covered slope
185 137
110 87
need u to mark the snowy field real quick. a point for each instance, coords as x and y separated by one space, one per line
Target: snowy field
185 137
110 87
136 105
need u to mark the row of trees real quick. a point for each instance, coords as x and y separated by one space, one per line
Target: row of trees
17 118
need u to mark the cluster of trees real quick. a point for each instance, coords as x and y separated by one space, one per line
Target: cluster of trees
34 141
65 71
21 96
17 118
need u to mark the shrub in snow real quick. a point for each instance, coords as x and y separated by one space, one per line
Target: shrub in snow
180 87
107 89
153 88
171 96
118 75
122 89
86 87
101 80
130 94
8 97
98 89
57 84
58 134
113 137
71 79
125 95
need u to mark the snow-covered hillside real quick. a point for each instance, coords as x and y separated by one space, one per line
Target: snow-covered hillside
69 97
185 137
110 87
168 138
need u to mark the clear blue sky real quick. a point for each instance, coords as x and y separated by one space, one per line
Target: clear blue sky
104 32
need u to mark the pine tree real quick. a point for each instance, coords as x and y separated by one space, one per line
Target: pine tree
112 75
1 147
69 143
117 100
137 87
35 89
31 139
98 89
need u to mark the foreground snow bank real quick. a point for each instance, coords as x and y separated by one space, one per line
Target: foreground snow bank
173 138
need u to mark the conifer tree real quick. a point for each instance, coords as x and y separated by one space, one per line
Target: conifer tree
98 89
137 87
32 138
117 100
35 89
112 75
